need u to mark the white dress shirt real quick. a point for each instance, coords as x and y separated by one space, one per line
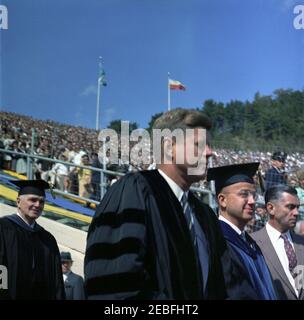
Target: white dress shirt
177 190
278 244
65 275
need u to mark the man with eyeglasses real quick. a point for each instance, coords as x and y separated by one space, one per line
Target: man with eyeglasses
236 196
282 248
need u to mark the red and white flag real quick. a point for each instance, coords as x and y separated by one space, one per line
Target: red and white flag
176 85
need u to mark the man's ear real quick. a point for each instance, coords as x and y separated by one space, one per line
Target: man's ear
222 200
270 208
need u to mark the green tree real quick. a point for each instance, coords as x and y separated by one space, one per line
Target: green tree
116 126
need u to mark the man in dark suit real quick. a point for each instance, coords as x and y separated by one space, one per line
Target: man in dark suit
236 195
73 283
276 174
281 247
152 238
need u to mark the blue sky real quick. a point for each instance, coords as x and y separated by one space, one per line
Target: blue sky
220 49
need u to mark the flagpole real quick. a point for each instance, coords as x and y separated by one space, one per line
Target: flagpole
169 96
97 106
98 97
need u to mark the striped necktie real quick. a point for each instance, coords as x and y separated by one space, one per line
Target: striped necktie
291 255
189 216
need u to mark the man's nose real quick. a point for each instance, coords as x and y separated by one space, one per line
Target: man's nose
251 198
295 211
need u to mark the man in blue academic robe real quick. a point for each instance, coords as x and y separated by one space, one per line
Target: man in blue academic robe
236 196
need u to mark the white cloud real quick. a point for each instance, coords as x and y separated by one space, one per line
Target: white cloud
89 90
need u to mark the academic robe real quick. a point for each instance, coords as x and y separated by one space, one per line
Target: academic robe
139 245
250 278
32 259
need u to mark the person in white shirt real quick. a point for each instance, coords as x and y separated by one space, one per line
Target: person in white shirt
282 248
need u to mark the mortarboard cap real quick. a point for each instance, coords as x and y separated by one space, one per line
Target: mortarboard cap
228 175
35 187
279 155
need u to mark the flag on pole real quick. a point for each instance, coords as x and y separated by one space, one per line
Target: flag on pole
102 75
176 85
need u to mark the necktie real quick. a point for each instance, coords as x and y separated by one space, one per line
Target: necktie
291 255
243 236
188 216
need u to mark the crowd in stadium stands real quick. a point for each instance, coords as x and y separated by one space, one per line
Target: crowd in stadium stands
80 146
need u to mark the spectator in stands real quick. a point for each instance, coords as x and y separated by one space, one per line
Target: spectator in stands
85 178
259 220
300 192
43 167
29 252
282 248
300 188
292 181
21 161
276 174
59 175
154 249
1 154
96 176
73 283
236 196
299 228
15 157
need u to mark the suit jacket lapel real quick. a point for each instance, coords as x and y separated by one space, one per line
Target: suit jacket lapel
274 259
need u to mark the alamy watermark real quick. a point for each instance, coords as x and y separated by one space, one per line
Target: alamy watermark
165 146
3 277
299 278
298 21
3 17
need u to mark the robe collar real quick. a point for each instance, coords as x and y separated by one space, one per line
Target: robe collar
17 220
231 235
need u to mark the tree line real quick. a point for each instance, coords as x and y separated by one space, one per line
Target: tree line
267 123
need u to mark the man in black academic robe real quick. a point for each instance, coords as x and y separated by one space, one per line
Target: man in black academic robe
139 244
29 252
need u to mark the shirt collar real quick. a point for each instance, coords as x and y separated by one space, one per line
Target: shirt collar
177 190
30 225
274 234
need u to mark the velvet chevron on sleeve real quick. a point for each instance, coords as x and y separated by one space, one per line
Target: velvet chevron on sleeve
116 245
